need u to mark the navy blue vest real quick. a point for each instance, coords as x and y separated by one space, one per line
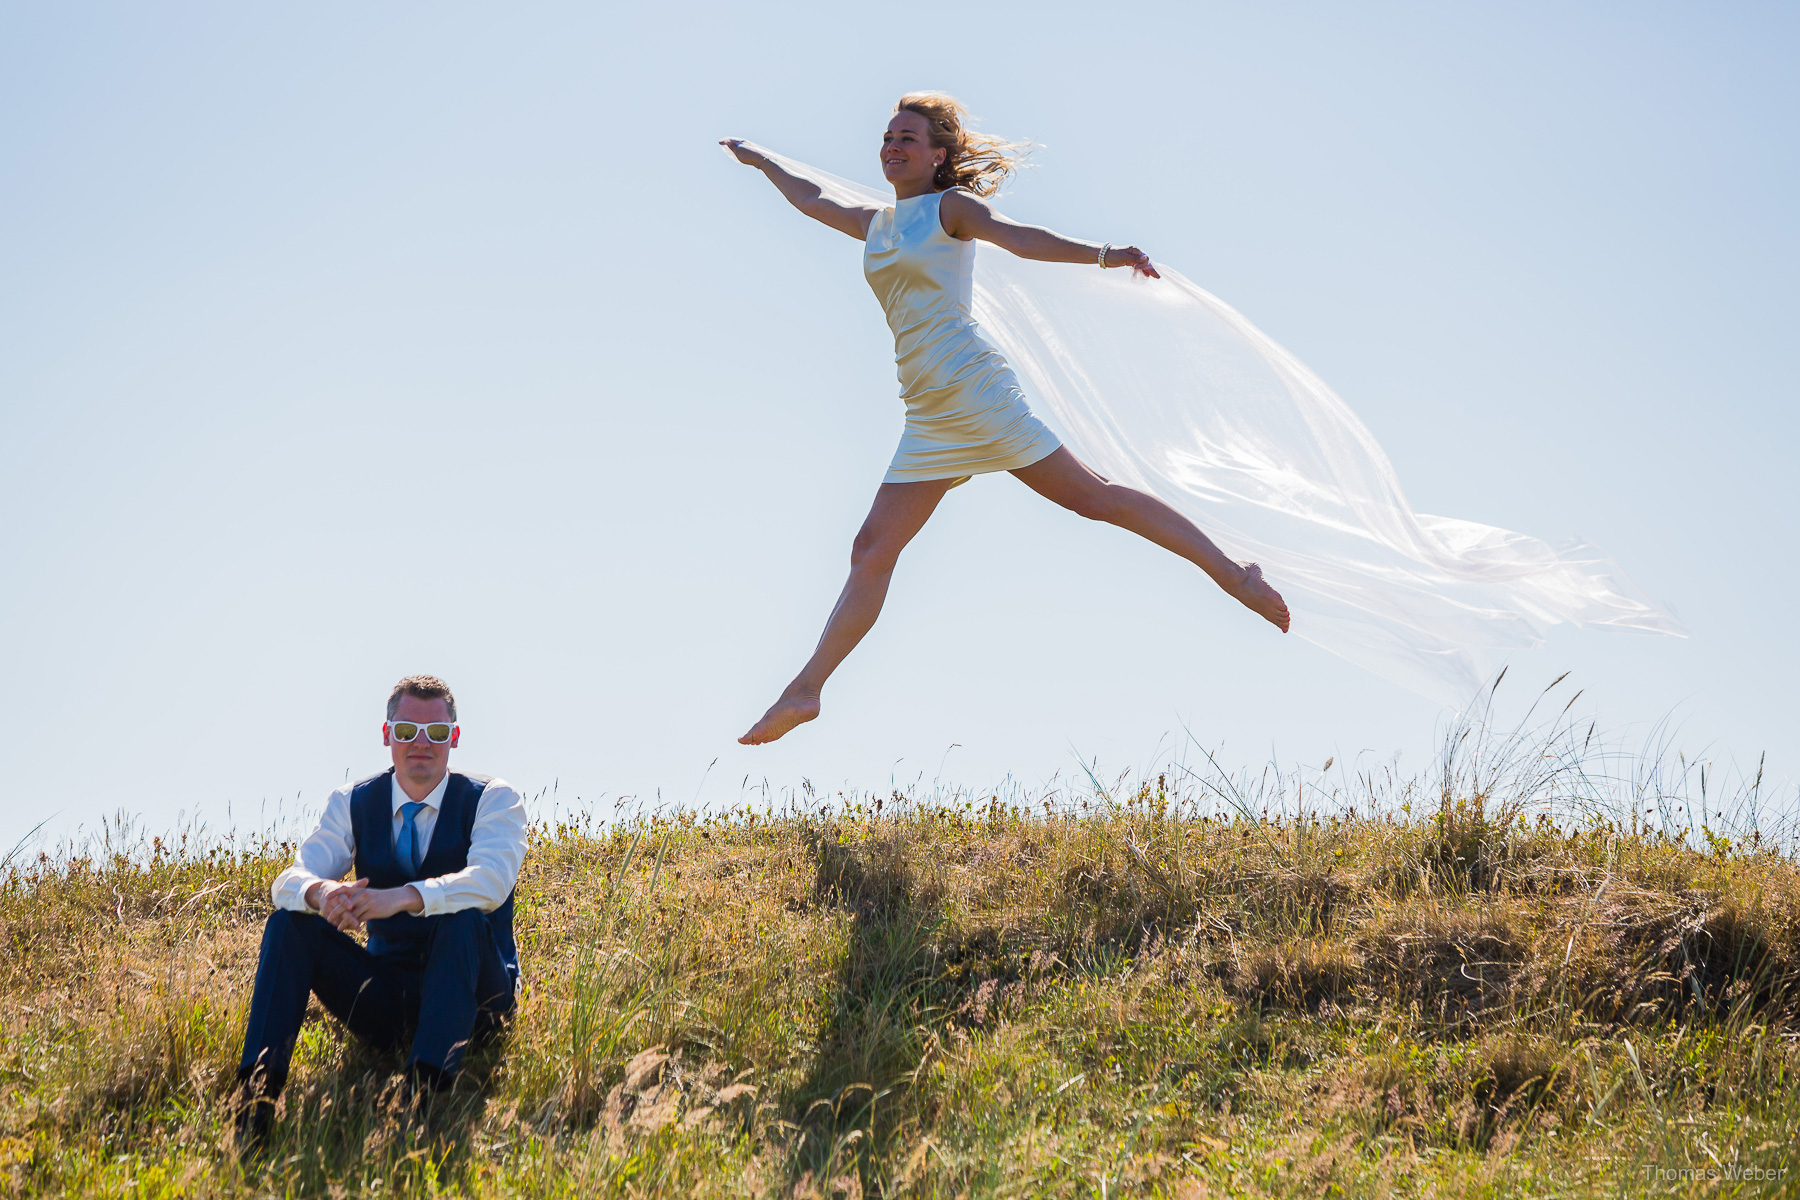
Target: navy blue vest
406 935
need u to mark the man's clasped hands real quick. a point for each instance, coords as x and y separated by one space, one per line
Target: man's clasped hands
348 905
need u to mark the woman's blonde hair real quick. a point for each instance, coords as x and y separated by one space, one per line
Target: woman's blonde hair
976 162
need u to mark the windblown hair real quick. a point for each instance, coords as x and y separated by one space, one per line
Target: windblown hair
425 687
976 162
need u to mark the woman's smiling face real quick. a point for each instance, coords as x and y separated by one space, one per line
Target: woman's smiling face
908 159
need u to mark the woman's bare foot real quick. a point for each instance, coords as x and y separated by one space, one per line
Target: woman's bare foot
797 706
1255 594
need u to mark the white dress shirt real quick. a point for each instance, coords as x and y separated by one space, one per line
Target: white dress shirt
496 850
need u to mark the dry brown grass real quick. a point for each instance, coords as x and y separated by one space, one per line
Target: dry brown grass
1155 992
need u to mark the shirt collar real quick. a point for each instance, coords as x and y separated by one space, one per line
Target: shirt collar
433 799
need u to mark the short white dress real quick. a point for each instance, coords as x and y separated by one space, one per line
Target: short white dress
965 413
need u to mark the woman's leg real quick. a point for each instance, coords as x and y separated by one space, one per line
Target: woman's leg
1071 483
899 512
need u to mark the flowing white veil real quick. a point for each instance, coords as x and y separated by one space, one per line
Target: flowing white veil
1162 386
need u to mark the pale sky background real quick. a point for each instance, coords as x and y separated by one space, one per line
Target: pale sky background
344 341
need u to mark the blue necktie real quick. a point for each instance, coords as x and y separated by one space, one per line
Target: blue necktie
409 834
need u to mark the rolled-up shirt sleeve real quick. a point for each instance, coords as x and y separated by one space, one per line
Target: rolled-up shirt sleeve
496 852
327 854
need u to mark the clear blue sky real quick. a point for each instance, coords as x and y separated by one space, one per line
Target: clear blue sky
344 341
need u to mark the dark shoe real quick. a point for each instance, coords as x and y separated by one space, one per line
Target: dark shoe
254 1119
424 1096
424 1084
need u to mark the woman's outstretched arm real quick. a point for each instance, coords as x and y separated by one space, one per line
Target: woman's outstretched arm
804 194
966 216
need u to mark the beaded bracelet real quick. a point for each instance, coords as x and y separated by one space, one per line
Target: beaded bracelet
1103 252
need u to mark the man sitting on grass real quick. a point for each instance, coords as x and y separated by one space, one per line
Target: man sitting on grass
437 855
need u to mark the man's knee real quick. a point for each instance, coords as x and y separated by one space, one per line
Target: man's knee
284 923
464 925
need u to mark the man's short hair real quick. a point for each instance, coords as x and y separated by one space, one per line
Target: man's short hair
425 687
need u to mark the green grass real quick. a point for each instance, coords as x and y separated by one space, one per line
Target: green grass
1481 987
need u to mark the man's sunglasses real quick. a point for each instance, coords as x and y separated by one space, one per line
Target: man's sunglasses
406 731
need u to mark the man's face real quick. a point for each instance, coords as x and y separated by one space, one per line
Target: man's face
421 760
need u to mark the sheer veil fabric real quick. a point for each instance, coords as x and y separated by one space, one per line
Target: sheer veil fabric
1160 385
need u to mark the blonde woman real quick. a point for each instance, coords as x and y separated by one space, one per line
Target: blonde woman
965 413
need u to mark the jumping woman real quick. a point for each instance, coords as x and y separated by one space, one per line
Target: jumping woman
965 413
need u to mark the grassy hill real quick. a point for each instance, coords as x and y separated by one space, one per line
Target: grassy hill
1208 989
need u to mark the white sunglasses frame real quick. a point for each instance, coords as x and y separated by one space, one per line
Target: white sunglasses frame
387 727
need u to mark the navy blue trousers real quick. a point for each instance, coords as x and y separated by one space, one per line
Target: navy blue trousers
458 989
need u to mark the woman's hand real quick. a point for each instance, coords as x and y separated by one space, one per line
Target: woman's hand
965 216
1131 256
804 194
744 152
